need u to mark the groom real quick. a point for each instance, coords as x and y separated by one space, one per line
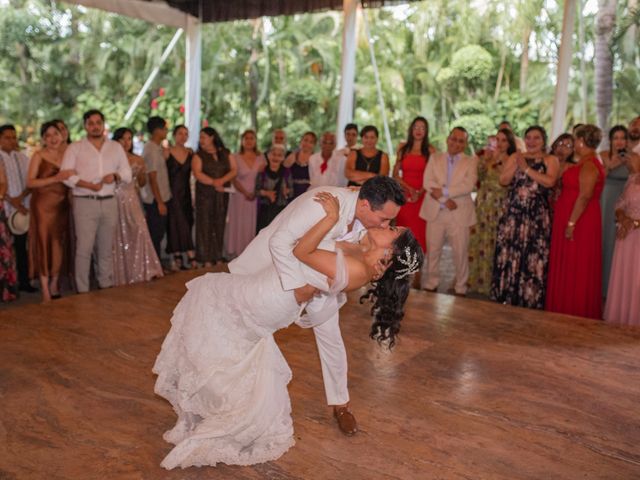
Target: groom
374 205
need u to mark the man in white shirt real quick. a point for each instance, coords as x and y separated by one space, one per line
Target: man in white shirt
326 168
351 139
156 194
16 166
634 134
98 164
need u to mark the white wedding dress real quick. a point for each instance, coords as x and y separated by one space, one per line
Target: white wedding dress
223 373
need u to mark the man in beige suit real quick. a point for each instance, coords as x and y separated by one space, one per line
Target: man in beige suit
448 208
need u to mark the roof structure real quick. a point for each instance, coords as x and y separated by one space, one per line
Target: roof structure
221 11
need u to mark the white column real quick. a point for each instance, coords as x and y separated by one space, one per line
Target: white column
192 82
564 64
347 68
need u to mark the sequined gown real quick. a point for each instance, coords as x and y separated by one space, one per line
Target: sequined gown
211 210
522 245
134 258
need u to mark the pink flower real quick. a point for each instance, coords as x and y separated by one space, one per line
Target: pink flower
161 92
154 104
182 109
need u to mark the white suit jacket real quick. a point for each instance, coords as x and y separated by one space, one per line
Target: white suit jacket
275 243
463 180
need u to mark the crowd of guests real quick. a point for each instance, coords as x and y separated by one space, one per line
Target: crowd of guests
554 228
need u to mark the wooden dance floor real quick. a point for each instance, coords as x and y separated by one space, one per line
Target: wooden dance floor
473 390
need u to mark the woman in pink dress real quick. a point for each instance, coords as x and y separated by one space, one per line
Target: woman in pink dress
134 258
623 301
411 162
243 207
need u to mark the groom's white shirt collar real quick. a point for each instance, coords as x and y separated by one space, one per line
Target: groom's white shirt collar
355 234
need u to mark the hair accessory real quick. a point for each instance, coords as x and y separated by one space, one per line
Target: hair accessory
411 263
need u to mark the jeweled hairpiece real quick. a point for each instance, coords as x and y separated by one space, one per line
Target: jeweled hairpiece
411 263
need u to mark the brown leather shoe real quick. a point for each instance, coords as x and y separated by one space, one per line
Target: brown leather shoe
346 421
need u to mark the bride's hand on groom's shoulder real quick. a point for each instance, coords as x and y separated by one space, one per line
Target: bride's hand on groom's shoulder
330 204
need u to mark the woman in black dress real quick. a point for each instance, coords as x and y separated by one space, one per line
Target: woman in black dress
180 214
368 161
214 169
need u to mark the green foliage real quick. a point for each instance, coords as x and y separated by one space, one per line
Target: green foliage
479 127
438 58
472 65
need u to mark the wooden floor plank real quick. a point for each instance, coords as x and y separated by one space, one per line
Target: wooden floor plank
473 390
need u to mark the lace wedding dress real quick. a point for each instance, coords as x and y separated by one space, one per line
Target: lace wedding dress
223 373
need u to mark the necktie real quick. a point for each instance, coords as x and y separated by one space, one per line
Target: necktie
324 165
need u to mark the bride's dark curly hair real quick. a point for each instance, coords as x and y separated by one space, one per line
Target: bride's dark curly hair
389 293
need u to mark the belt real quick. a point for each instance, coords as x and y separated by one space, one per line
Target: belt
95 197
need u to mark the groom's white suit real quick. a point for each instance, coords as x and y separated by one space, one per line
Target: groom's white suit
274 245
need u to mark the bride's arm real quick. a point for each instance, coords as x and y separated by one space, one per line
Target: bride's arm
307 250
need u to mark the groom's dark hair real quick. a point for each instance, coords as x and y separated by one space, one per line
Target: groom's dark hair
381 189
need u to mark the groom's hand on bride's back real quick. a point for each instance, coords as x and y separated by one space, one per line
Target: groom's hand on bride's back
304 294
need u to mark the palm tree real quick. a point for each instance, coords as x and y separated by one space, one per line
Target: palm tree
605 26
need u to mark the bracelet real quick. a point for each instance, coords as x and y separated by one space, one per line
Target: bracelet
636 224
571 224
526 170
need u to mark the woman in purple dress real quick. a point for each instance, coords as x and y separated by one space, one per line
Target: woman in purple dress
134 258
243 207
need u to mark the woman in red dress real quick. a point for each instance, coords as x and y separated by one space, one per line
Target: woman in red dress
574 283
412 159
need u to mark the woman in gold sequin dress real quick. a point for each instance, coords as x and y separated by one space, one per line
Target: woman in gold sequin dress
134 258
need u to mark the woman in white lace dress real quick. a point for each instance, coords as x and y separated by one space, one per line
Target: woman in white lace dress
219 365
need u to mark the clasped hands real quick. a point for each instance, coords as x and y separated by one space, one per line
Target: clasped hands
437 194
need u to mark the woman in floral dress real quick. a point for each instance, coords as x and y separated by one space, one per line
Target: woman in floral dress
489 208
524 230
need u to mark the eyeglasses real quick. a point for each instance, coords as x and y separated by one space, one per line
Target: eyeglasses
565 144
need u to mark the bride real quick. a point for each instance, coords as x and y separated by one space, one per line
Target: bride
219 365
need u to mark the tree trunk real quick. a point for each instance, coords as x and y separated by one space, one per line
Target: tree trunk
254 79
583 65
524 59
633 29
503 62
605 25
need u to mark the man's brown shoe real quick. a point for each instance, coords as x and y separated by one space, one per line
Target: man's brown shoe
346 421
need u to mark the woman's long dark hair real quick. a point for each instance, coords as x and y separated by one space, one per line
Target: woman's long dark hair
218 144
408 146
561 138
59 120
511 140
615 129
390 293
119 133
